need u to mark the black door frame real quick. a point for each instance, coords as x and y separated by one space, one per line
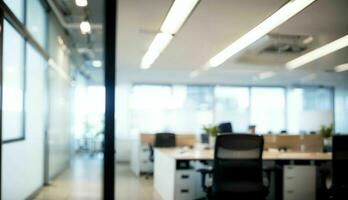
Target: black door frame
110 13
1 49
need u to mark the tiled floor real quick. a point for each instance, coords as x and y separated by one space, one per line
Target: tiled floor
83 182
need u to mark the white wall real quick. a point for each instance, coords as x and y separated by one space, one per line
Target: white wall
22 164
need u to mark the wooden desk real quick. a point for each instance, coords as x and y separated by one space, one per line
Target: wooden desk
181 154
172 181
182 139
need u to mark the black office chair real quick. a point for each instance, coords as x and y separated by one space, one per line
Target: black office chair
162 140
237 172
339 188
225 127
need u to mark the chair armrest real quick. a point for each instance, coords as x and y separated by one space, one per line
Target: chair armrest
204 173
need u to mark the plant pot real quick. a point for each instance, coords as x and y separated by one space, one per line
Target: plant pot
212 141
328 142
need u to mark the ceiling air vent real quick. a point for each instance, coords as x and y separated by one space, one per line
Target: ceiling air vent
281 43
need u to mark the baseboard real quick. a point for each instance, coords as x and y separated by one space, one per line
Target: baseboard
67 165
34 194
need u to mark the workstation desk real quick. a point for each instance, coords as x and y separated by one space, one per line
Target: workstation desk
175 176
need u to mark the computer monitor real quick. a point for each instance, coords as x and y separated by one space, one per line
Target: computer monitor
225 127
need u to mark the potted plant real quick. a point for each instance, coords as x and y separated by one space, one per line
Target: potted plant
326 132
212 132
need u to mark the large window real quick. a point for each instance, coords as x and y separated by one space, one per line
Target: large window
232 105
36 21
268 109
193 108
187 108
13 84
310 108
17 7
179 108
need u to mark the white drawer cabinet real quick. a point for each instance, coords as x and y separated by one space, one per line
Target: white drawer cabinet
299 182
185 187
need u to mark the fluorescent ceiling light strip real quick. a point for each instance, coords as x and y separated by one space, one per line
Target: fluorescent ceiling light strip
318 53
160 42
177 15
341 68
148 59
280 16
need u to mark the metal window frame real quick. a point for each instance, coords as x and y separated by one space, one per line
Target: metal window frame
22 137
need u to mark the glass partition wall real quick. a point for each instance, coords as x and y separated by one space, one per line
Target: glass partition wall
52 131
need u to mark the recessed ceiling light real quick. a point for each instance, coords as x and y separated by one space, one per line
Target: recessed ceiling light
307 40
318 53
265 75
97 63
341 68
81 3
280 16
85 27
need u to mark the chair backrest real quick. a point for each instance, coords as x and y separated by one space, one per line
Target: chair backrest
165 140
225 127
340 161
238 164
204 138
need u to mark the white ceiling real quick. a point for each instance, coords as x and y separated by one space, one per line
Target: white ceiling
212 26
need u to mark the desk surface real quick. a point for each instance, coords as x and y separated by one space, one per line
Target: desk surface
192 154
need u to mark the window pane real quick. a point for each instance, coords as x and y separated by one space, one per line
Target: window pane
178 108
268 109
150 108
194 108
310 108
17 7
13 83
36 21
232 105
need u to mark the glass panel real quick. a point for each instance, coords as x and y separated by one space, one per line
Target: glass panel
232 105
13 83
341 110
150 108
36 21
268 109
310 108
17 7
194 108
179 108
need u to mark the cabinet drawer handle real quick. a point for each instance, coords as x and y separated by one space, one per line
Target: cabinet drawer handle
290 191
184 191
185 176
